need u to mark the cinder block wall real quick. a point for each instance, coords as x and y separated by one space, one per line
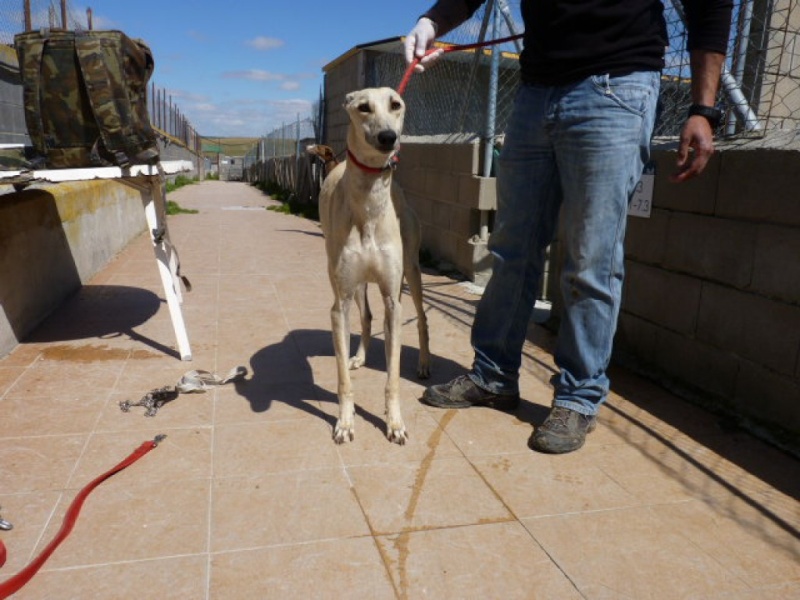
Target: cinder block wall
712 290
711 306
52 240
441 185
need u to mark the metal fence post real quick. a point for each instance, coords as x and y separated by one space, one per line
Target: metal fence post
297 154
491 121
730 86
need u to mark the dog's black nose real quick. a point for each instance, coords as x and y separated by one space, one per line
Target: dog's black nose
387 138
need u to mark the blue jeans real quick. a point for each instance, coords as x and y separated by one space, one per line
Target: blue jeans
577 151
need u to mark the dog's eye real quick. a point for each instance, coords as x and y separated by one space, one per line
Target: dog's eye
396 105
364 108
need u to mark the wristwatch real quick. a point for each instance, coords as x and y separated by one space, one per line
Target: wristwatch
711 113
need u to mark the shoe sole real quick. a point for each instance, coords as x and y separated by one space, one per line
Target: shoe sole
559 448
535 444
497 402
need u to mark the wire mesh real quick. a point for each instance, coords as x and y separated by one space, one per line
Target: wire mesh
164 114
43 14
287 140
760 89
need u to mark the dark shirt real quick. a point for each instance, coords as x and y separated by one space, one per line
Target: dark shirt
568 40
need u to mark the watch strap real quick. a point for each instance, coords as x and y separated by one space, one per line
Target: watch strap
711 113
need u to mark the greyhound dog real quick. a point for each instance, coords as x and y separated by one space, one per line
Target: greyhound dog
325 154
371 236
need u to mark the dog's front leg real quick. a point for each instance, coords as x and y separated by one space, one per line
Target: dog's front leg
414 279
340 315
362 302
395 428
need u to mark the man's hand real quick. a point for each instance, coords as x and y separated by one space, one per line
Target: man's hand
417 43
695 149
697 137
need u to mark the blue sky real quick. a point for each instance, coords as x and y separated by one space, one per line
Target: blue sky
244 67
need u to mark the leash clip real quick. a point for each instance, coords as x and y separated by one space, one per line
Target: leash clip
158 439
5 525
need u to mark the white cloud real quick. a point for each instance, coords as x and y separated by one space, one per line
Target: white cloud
197 36
245 118
253 75
264 43
205 107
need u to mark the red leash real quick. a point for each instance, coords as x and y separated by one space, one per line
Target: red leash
407 76
13 585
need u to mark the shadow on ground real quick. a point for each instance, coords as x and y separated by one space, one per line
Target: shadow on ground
103 312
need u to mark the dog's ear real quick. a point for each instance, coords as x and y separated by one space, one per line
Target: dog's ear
349 99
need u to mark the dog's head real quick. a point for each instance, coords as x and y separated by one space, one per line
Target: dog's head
321 151
376 117
325 154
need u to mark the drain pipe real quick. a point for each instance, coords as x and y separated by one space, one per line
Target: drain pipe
730 86
491 122
746 18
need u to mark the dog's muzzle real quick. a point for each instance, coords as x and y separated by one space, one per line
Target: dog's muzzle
387 139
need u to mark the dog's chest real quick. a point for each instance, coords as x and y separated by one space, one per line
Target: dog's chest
371 251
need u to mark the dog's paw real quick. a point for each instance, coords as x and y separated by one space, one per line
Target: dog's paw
423 371
343 433
397 434
355 362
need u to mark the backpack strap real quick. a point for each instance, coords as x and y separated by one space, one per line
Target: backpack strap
31 65
99 78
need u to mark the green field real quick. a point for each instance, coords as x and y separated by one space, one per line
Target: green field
228 146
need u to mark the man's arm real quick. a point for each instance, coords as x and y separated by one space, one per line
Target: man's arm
449 14
697 137
708 24
441 18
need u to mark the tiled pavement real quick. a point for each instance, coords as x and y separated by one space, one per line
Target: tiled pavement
248 497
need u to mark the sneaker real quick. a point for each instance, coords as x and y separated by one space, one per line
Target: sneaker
563 430
462 392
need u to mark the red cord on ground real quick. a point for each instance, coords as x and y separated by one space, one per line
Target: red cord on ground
13 585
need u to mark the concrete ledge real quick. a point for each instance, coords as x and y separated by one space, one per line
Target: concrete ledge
55 238
477 192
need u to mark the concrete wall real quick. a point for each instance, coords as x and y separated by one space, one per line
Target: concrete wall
441 184
55 238
712 292
711 304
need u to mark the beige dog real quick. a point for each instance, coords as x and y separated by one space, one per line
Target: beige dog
371 236
325 154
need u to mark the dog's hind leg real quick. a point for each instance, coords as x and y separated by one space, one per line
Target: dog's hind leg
414 279
360 357
395 427
340 317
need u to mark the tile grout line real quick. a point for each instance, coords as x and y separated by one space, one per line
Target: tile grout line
212 441
61 493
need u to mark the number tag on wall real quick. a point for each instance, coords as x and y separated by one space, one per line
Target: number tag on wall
642 198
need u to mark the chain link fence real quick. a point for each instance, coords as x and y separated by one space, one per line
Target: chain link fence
289 139
470 95
280 158
167 117
20 15
43 14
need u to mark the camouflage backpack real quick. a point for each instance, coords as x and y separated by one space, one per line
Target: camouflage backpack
85 97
